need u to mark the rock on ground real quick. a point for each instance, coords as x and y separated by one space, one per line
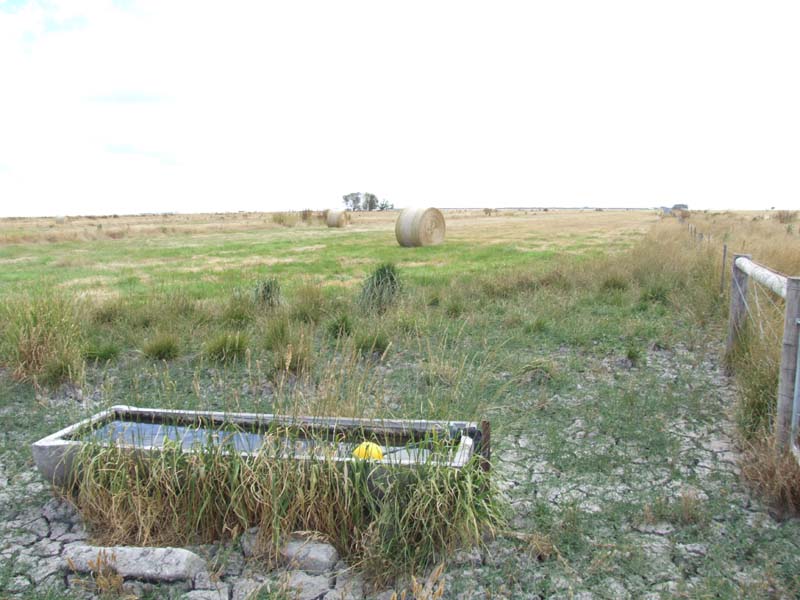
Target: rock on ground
309 556
151 564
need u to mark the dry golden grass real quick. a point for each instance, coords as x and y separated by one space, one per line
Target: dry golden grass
760 234
49 229
775 477
463 224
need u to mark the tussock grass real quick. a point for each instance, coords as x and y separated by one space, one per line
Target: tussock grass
389 519
509 284
295 352
164 346
758 364
239 310
540 371
340 326
380 288
308 304
109 312
227 347
774 476
615 282
101 350
268 292
42 338
455 307
373 343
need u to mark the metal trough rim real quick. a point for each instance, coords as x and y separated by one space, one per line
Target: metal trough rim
467 430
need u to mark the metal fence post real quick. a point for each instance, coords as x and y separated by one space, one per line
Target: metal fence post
738 308
783 420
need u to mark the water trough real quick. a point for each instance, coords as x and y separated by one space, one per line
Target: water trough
403 442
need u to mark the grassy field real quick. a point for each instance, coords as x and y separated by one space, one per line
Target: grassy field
591 340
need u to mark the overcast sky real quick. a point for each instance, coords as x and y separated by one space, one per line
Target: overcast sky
129 106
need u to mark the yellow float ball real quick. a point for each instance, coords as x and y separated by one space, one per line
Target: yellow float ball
367 450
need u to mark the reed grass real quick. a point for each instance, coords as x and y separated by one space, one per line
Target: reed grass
388 519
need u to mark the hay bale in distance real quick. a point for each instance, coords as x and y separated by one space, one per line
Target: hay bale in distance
338 218
420 227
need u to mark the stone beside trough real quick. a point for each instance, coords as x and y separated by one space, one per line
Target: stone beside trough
56 549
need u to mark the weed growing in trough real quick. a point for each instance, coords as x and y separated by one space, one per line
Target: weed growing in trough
389 518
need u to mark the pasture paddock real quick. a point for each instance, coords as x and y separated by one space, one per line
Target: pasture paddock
588 339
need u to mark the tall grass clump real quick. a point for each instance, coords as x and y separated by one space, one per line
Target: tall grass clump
277 332
164 346
508 284
42 338
757 365
101 350
110 312
309 303
340 326
227 347
267 293
774 476
294 353
374 343
380 288
239 310
392 520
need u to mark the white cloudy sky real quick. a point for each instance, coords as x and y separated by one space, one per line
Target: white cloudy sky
138 106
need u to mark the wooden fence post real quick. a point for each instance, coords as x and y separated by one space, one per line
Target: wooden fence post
486 445
783 421
738 308
724 258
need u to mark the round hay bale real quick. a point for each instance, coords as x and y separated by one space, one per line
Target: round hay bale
338 218
419 227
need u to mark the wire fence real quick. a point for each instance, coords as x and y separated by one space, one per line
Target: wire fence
767 313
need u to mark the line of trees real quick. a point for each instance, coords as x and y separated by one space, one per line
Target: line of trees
365 201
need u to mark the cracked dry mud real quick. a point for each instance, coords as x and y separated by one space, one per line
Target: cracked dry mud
623 484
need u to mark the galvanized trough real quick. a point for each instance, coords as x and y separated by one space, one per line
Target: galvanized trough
404 442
